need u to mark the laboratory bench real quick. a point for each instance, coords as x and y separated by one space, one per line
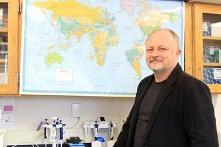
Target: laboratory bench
48 145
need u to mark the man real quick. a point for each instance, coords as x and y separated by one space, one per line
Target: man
171 109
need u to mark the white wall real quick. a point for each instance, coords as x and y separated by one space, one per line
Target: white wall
217 108
30 110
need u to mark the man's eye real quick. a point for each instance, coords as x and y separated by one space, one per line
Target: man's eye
162 49
149 50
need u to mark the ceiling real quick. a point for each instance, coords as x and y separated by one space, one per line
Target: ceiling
207 1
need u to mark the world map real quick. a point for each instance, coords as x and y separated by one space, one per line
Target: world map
85 47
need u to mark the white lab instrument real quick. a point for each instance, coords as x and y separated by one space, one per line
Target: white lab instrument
97 144
100 128
53 132
110 143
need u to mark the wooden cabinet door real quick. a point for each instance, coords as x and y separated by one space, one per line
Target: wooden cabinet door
9 47
207 45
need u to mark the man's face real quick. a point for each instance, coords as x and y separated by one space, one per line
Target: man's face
162 51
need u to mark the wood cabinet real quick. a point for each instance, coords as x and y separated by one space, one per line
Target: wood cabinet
188 50
9 26
207 45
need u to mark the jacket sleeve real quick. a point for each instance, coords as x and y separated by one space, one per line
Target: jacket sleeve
122 138
199 118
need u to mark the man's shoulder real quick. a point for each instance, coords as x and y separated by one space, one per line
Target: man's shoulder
146 80
190 81
189 78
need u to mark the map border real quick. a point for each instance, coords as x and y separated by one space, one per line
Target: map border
75 93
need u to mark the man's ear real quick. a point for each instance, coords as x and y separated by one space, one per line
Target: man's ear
178 52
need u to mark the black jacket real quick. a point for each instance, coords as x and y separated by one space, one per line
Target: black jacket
182 116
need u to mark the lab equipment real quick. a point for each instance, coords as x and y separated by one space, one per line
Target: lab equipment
100 128
76 145
53 132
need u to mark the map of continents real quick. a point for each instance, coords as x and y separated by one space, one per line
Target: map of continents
109 34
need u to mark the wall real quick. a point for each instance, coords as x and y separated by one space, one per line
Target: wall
217 108
30 110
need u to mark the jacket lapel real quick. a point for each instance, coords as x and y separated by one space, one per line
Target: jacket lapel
139 98
166 89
